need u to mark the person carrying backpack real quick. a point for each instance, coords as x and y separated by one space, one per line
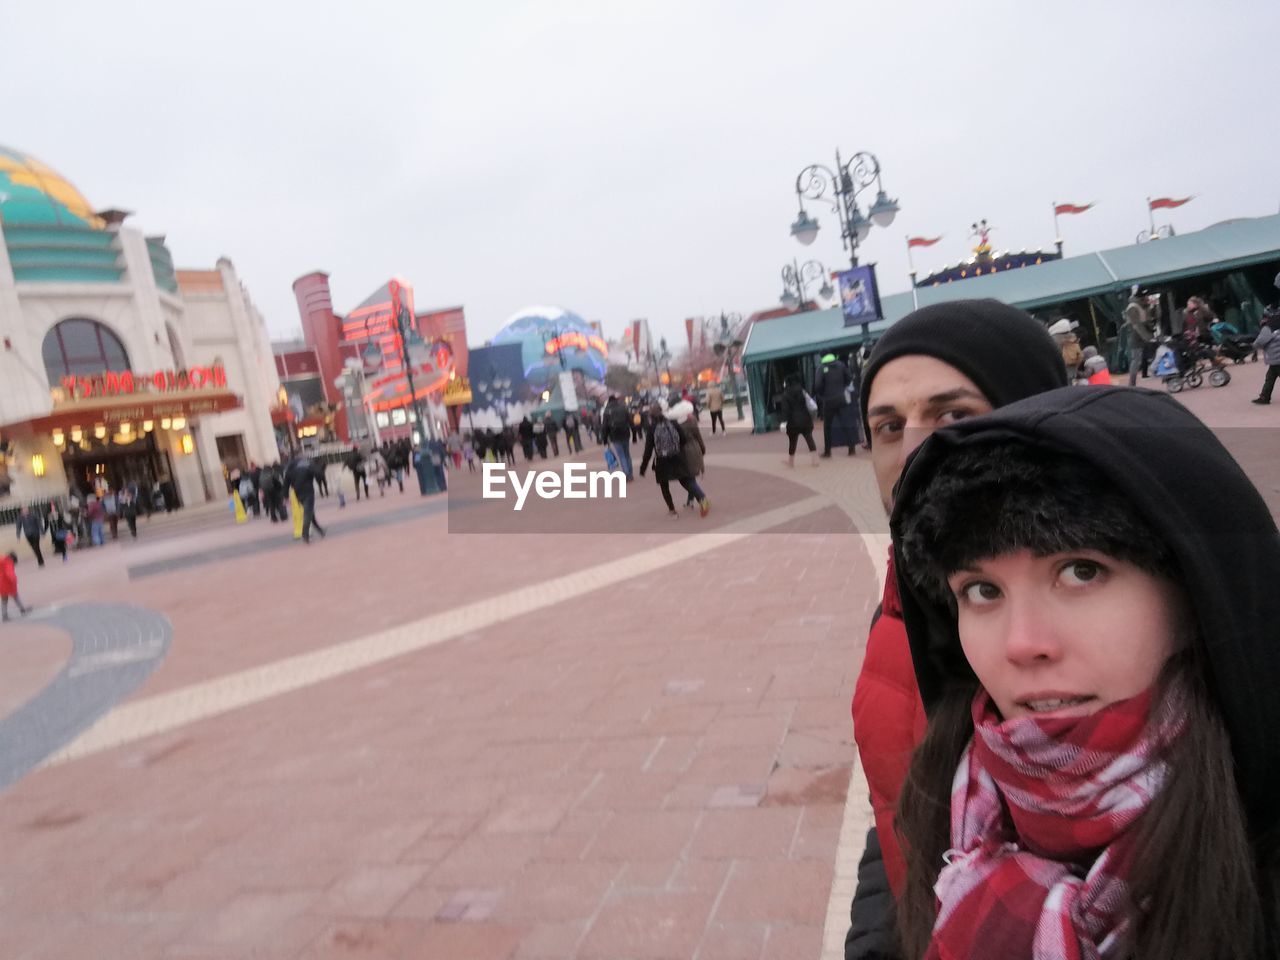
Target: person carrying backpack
617 433
664 445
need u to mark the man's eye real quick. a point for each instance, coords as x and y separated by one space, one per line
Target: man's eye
951 416
887 428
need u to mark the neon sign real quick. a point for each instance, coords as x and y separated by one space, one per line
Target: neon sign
126 382
556 344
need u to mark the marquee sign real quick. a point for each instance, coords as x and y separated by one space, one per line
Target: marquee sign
125 383
575 339
457 392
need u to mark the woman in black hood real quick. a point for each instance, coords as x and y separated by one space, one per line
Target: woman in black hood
1098 659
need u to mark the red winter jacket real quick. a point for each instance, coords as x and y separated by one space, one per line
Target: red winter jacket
888 721
8 578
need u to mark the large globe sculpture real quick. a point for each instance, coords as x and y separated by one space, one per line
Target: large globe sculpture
550 335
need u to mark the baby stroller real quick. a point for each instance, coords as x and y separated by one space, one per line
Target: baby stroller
1232 344
1181 364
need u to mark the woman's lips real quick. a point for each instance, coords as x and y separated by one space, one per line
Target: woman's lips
1058 704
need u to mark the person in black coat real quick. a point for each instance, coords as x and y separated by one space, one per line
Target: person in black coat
795 413
300 477
829 390
670 467
526 438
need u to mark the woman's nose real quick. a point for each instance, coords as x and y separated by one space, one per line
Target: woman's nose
1032 633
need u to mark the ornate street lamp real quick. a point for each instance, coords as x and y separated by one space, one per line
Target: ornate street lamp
795 280
840 189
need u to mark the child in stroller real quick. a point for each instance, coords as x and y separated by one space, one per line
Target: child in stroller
1231 343
1182 362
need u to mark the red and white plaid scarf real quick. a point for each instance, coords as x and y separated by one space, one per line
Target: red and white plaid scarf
1040 818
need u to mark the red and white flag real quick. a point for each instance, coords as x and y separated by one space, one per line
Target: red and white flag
1071 207
921 241
1167 203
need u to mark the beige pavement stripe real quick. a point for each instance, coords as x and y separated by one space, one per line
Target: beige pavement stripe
167 711
857 812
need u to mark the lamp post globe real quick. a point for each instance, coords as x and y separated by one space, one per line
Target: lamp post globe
883 210
805 228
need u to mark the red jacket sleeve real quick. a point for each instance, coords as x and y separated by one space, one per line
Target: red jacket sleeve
888 722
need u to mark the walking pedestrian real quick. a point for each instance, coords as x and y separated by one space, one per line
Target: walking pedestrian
129 510
319 471
59 532
359 471
831 393
686 417
9 587
797 413
1141 333
540 437
32 527
300 477
552 430
468 454
715 406
111 506
96 516
1268 342
1098 777
935 366
526 438
664 445
616 427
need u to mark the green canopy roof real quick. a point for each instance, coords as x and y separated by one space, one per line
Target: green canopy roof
1222 247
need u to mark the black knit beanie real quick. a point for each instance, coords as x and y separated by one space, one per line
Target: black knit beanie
990 499
1003 350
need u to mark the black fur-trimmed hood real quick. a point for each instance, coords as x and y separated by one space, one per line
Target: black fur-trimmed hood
1219 539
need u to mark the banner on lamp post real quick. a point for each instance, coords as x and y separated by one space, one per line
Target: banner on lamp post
859 295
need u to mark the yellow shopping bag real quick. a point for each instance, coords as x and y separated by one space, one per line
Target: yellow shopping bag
295 508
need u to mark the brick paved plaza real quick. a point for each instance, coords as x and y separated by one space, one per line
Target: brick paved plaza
401 742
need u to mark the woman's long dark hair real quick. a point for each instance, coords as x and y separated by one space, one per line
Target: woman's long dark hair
1200 882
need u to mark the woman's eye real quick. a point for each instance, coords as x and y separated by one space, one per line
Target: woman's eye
1079 572
979 593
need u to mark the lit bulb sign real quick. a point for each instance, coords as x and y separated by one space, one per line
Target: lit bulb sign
124 383
573 339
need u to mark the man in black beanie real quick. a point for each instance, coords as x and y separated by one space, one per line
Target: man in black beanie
946 361
935 366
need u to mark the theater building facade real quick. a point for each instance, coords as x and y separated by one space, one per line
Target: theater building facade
114 366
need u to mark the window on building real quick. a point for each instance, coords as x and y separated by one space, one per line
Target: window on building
82 348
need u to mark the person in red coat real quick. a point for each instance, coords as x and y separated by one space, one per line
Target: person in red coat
937 365
9 586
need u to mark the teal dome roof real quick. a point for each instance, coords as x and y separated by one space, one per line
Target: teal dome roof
34 194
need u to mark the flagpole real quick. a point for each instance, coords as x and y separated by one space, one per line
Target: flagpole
1151 217
1057 231
915 299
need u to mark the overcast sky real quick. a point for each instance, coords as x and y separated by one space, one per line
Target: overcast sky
633 159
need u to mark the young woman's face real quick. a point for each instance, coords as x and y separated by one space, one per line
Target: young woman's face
1064 635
